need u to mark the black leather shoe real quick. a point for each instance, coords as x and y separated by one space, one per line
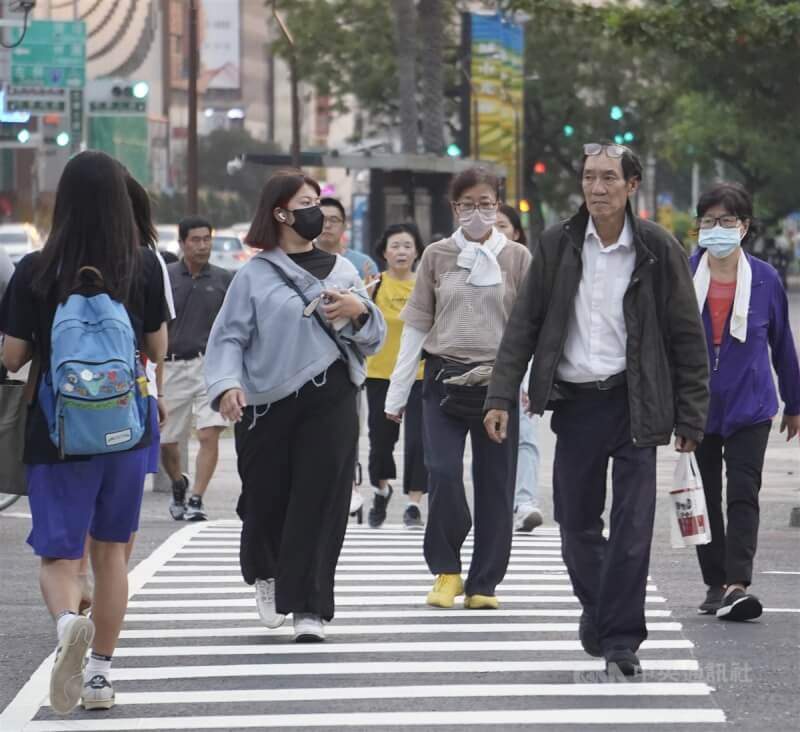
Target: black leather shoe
624 661
377 514
587 632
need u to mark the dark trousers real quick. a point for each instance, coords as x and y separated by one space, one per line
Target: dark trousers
384 433
609 576
728 559
296 463
494 469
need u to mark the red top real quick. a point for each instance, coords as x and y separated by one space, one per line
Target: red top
720 302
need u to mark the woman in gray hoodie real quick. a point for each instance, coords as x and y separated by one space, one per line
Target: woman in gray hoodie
284 360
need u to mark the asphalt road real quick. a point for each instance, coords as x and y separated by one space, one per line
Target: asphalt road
753 669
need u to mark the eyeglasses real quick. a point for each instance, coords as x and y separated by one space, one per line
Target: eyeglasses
726 222
613 151
469 207
334 220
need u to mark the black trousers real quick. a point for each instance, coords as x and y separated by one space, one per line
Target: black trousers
728 559
609 576
296 463
494 470
383 436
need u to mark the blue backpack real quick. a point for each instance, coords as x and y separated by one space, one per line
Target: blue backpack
94 395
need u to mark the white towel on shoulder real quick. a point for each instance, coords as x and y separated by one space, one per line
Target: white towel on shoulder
741 300
481 259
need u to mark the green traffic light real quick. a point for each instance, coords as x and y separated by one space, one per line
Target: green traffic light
453 150
616 112
629 136
569 130
619 139
62 139
23 136
141 89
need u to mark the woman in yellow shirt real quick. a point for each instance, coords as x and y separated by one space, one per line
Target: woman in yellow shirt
401 247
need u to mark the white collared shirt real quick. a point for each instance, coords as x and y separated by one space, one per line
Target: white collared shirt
596 333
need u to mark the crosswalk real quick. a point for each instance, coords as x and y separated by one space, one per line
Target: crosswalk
193 656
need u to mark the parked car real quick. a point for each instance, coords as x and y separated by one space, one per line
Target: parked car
19 240
168 239
227 250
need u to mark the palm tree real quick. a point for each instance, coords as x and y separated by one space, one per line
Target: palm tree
432 34
405 22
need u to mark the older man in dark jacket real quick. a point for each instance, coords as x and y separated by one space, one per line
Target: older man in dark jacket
608 310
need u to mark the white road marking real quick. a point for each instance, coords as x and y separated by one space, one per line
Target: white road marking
333 629
469 719
342 589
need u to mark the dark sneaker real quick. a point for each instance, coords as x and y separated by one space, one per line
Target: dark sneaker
621 661
194 510
412 517
587 632
179 488
713 600
377 514
738 605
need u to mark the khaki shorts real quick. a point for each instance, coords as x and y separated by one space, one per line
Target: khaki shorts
185 395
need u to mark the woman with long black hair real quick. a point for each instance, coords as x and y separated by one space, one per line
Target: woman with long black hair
99 494
284 361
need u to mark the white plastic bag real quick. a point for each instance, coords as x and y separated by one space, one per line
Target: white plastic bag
689 525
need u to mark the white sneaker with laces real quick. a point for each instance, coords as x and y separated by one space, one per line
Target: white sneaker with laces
265 602
308 628
527 518
97 693
66 678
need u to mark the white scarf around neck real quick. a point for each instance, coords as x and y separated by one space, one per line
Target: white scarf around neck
741 300
481 259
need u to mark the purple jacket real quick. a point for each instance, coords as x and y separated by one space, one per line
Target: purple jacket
742 386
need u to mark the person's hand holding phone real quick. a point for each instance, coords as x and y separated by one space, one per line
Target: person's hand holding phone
342 304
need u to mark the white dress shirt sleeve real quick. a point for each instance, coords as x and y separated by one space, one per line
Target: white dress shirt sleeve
405 370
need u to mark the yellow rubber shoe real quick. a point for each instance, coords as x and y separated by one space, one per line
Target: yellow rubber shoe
480 602
445 590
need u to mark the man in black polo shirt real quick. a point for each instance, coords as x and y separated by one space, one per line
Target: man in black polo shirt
198 289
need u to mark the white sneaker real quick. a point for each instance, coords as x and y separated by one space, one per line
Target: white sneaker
97 693
356 501
527 518
265 602
66 678
308 628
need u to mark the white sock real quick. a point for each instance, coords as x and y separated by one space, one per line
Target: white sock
97 664
62 621
382 491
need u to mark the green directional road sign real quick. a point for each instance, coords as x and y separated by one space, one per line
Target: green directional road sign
52 54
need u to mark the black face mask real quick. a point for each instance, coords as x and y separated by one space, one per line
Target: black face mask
308 222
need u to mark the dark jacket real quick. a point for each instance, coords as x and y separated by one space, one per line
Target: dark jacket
742 386
667 360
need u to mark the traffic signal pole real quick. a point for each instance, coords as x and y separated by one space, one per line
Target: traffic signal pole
191 146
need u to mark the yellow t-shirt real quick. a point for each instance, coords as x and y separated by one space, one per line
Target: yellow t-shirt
391 299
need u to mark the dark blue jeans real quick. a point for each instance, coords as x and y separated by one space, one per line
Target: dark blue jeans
494 469
609 576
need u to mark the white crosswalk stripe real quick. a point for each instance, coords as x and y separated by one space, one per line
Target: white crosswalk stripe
193 655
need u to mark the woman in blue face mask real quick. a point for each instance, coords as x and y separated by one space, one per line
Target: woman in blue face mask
745 312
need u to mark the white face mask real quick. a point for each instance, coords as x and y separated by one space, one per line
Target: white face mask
477 223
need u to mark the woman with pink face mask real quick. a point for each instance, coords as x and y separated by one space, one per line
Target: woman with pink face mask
466 286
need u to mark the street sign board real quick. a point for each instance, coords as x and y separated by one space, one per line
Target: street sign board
52 54
36 99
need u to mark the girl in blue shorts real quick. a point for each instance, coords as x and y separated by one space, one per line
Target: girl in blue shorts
93 225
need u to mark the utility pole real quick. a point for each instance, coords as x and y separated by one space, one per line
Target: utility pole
191 147
294 82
